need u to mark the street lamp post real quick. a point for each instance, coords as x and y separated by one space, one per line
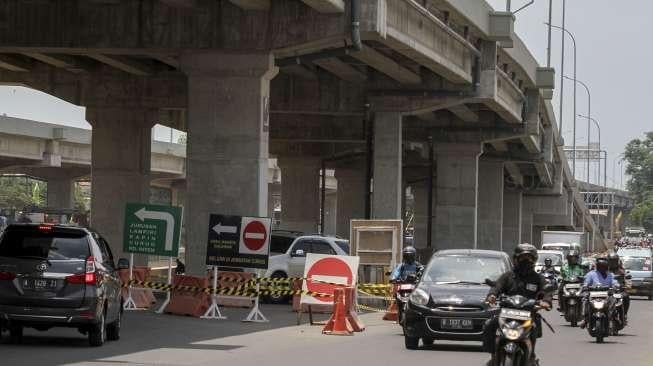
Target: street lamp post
589 114
573 39
598 128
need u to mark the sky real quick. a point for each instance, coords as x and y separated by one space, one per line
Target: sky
613 60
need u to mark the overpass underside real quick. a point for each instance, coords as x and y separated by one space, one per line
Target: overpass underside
435 95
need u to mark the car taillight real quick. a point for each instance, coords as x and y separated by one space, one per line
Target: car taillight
7 276
88 277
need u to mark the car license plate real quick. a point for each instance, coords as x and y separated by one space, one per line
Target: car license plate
39 284
456 324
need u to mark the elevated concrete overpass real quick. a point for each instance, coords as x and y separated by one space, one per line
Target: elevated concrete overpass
364 87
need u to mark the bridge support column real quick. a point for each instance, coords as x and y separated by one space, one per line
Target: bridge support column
457 195
228 132
490 204
120 167
512 220
387 190
61 193
351 198
420 193
526 225
300 194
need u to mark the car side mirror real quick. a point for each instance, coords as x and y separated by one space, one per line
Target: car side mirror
123 263
299 253
490 283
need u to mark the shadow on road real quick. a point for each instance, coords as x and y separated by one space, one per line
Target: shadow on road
454 348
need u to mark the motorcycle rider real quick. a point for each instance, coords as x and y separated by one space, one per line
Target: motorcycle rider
522 280
408 266
616 267
548 267
570 272
600 276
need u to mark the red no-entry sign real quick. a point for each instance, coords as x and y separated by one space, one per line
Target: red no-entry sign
254 236
321 270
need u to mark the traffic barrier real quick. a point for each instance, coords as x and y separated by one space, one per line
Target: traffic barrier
143 297
392 314
352 314
225 279
339 323
189 296
297 306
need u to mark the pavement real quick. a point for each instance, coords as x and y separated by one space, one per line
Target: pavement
151 339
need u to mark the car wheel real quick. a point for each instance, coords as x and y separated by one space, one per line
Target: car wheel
97 334
113 330
279 299
15 333
411 342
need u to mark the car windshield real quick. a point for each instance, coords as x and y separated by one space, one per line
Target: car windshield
464 269
634 252
561 248
44 245
556 260
637 263
344 245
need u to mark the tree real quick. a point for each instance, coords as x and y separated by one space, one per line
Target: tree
639 156
16 193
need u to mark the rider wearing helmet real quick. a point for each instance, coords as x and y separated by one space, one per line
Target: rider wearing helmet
408 266
548 267
522 280
570 271
601 276
615 266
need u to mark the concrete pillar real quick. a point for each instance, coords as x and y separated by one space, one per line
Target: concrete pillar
387 192
61 193
420 193
456 198
490 204
120 167
300 194
512 220
351 198
228 133
330 213
526 226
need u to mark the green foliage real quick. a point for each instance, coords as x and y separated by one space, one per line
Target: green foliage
16 193
639 156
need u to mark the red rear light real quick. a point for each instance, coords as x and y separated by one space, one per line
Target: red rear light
7 276
45 227
88 278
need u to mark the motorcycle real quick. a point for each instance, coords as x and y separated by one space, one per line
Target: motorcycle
404 289
571 298
551 279
516 324
602 321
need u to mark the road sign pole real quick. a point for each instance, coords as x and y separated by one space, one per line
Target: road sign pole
256 316
130 304
213 311
167 301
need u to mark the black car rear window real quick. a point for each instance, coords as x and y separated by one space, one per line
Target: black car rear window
41 245
280 244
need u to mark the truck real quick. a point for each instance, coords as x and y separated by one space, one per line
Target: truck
563 240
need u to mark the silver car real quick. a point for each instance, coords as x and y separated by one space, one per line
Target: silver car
59 276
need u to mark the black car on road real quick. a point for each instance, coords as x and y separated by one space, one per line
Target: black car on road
449 301
59 276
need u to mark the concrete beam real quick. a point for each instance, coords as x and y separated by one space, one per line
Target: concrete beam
299 70
463 112
326 6
168 60
123 64
340 69
13 64
387 66
515 174
252 4
59 61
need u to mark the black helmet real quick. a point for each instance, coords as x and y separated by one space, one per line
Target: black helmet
409 254
613 260
525 250
548 262
602 264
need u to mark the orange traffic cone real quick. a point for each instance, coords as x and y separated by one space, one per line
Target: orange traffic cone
392 314
352 314
338 324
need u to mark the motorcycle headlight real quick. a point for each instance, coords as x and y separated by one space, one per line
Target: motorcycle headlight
419 297
598 305
512 333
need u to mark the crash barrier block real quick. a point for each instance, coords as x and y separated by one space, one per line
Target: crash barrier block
352 313
392 314
228 279
339 323
143 297
297 305
189 301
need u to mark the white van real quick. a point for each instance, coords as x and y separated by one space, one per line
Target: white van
563 247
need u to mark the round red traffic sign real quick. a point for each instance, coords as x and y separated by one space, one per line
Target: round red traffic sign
324 269
255 235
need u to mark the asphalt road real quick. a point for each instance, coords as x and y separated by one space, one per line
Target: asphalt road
150 339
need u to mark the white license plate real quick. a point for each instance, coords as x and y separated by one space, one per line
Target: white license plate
39 284
462 324
406 287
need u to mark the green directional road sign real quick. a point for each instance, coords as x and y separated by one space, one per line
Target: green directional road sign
152 229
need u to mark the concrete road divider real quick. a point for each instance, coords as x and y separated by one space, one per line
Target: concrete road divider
189 296
143 297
